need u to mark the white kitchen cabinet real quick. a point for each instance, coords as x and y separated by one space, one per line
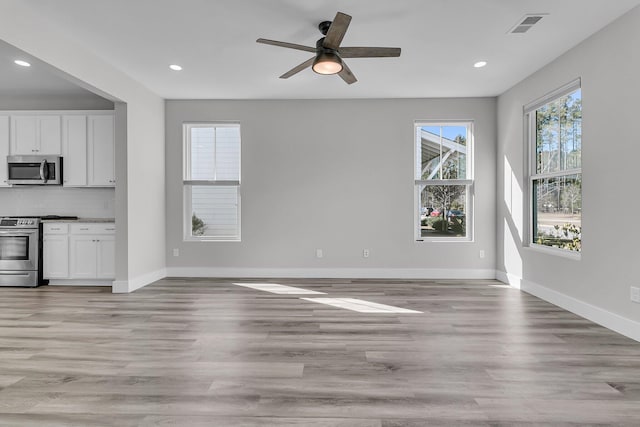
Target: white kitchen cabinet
4 149
88 257
101 154
92 257
92 251
84 257
36 134
74 150
55 250
55 253
106 256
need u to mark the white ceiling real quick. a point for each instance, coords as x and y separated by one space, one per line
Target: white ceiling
215 43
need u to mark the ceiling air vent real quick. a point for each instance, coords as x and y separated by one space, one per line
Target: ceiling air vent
526 22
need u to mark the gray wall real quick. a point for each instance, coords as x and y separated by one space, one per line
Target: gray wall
54 102
596 286
336 175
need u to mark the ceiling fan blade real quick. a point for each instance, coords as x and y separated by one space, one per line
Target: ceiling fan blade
346 74
297 69
288 45
369 52
336 31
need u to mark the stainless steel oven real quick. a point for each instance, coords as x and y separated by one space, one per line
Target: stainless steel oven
20 263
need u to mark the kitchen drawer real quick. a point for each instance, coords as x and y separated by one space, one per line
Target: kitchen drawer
55 228
101 228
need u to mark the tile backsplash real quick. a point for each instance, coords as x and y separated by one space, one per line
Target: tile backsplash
49 200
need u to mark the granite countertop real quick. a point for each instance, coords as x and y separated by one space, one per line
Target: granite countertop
94 220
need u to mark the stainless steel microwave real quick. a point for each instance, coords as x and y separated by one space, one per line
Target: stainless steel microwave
34 170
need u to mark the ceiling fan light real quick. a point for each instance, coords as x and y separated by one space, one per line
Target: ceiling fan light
327 63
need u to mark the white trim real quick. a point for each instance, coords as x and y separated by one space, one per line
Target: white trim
127 286
622 325
531 166
468 182
337 273
510 279
556 93
79 282
433 182
58 112
550 250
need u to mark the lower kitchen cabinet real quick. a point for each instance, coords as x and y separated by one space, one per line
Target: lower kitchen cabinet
92 257
79 253
55 253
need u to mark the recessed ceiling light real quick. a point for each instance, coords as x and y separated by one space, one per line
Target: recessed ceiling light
175 67
22 63
480 64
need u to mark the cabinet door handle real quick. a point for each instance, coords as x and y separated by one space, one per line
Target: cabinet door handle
84 229
110 229
56 228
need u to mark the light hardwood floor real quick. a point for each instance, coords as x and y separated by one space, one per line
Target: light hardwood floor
208 353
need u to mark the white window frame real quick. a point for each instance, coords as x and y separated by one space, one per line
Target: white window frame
531 167
188 184
419 184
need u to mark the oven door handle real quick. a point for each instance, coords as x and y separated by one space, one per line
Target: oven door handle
18 233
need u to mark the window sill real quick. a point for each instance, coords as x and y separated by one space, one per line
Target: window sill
444 240
564 253
211 240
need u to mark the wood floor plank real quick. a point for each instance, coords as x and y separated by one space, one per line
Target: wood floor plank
205 352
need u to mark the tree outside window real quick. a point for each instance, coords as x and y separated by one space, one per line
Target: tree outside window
556 170
443 180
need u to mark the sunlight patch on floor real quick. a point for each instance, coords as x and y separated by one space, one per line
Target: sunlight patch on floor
275 288
360 306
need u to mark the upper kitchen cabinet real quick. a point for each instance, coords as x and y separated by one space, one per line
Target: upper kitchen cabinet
4 149
36 135
101 155
74 150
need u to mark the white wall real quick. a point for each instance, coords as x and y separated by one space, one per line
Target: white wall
139 196
57 200
597 286
336 175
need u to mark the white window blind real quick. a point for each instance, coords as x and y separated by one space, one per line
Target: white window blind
212 181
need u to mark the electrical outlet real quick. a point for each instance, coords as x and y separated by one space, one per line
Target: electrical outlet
176 252
635 294
365 253
319 253
481 254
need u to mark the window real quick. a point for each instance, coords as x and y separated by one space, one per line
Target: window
211 182
443 180
555 169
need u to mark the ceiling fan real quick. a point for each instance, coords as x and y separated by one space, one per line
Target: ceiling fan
328 53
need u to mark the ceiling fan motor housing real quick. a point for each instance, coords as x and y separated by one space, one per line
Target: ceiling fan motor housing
324 27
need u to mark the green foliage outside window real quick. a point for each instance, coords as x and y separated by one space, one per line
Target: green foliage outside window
197 225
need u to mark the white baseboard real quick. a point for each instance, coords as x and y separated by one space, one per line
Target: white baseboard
79 282
127 286
333 273
510 279
602 317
